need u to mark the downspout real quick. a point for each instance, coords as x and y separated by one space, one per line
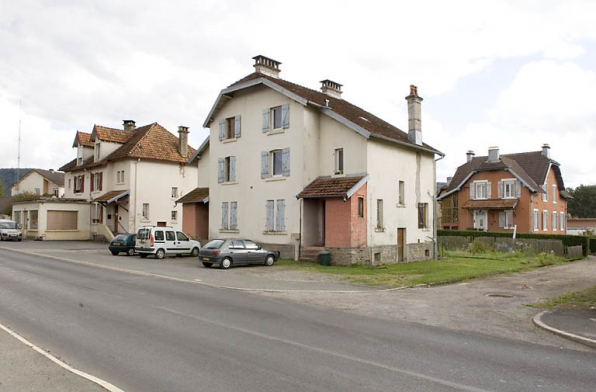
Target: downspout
135 214
435 238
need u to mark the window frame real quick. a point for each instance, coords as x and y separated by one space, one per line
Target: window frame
424 215
273 111
535 220
544 220
509 213
401 193
360 207
554 193
273 154
145 211
339 161
174 192
380 213
230 128
174 216
477 186
554 222
512 185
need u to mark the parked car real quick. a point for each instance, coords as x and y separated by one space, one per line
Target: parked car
123 243
164 241
10 230
235 251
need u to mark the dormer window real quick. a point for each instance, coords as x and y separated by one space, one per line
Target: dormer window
79 155
97 147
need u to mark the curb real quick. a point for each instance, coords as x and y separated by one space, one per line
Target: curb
568 335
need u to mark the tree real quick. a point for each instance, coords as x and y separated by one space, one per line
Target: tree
2 189
583 204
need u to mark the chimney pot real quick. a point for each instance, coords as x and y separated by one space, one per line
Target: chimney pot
267 66
331 88
493 154
414 116
183 141
546 150
470 155
129 125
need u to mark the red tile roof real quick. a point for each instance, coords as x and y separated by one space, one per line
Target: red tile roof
110 134
82 138
329 187
197 195
108 196
490 204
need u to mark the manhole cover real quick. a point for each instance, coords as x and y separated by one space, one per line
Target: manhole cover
500 295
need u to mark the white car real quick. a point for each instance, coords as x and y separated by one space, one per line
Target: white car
164 241
10 230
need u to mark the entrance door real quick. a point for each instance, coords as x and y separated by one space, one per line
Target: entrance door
115 218
480 220
401 239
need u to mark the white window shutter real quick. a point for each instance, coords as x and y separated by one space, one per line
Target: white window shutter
518 188
224 215
269 212
285 162
221 129
502 219
489 190
232 169
264 164
472 186
220 170
237 126
281 207
285 115
233 215
500 189
265 120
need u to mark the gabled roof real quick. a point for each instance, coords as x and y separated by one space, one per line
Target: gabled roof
531 168
204 146
197 195
152 142
359 120
110 197
82 138
50 175
113 135
323 187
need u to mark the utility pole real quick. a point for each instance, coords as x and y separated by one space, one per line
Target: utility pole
19 151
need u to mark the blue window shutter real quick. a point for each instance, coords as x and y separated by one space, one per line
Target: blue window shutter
280 224
221 129
220 170
264 164
265 120
237 126
224 215
232 169
518 188
269 211
500 189
489 190
285 162
285 115
472 186
234 215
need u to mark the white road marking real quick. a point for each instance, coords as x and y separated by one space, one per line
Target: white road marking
87 376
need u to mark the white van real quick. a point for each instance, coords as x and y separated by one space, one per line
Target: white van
164 241
10 230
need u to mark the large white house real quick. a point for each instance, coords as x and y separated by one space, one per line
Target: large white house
302 170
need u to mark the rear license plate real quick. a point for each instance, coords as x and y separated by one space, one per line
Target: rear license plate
116 243
206 258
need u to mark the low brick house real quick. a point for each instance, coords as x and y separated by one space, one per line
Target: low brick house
522 191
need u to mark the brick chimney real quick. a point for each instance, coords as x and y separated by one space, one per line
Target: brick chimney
183 141
331 88
546 150
470 155
414 116
129 125
267 66
493 154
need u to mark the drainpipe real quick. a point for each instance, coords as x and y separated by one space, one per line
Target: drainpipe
435 238
135 214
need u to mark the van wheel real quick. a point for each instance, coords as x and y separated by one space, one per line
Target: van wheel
269 260
225 263
143 255
160 254
130 252
195 252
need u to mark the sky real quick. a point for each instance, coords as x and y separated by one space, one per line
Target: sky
512 74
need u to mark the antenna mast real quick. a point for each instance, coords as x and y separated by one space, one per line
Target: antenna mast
19 151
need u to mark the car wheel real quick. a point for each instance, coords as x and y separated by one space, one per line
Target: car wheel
269 260
225 263
115 253
195 252
143 255
19 240
130 252
207 265
160 254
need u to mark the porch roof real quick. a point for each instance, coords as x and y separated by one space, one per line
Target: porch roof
507 204
197 195
111 196
324 187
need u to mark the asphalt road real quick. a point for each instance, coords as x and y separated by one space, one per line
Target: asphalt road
149 334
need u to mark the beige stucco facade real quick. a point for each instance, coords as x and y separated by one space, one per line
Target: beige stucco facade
35 183
24 213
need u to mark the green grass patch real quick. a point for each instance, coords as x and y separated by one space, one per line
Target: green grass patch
585 299
453 267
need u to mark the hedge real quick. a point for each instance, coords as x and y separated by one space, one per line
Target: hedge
568 240
592 245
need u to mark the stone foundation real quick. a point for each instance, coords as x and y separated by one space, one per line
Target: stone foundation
286 251
377 255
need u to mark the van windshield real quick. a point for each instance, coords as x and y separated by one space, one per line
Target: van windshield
8 225
144 234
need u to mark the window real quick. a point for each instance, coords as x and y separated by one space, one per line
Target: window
97 213
275 217
97 149
481 189
554 222
361 207
545 192
278 117
96 182
170 236
226 169
545 220
181 236
554 194
229 128
339 161
535 219
174 216
509 219
79 184
33 220
174 192
37 191
159 235
63 220
509 189
229 218
562 221
120 177
380 214
275 163
79 155
236 244
145 210
69 183
233 215
402 199
422 215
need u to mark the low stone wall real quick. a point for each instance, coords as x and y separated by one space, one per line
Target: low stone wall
350 256
504 244
287 251
377 255
574 251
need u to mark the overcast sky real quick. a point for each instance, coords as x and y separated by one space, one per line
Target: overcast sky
510 74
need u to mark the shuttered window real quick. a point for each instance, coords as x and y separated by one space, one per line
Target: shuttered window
277 117
233 215
269 224
63 220
224 215
275 163
280 224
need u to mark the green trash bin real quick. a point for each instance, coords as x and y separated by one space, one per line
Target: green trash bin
324 258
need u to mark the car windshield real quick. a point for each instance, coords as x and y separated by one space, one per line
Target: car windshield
215 244
144 234
8 225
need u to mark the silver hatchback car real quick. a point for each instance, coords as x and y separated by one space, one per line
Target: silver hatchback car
235 251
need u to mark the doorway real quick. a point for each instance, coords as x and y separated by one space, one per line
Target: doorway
115 218
401 240
480 220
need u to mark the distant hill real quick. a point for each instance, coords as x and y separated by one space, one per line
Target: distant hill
9 177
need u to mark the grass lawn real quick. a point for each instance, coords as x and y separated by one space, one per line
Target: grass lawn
585 299
454 267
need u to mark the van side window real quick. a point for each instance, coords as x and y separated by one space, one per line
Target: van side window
170 236
158 235
181 236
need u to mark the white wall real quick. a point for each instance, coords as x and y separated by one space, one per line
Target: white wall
83 224
204 168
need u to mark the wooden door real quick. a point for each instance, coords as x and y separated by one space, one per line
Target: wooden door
401 234
115 218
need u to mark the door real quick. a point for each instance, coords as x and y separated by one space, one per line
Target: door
183 243
255 255
401 235
480 220
115 218
238 252
171 242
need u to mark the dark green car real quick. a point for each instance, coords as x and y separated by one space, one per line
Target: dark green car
123 243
